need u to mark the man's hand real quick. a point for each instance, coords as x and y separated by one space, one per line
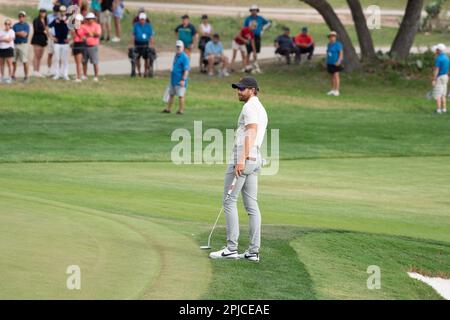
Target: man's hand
239 169
433 82
182 83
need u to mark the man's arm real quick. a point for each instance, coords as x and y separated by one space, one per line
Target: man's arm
183 79
435 74
341 57
250 137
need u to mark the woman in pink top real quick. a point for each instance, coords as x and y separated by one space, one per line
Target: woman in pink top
78 47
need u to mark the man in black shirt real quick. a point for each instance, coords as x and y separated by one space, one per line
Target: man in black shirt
60 60
284 45
107 7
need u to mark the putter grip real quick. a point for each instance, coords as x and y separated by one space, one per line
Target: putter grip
230 189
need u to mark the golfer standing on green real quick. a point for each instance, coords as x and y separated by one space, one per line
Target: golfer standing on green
245 165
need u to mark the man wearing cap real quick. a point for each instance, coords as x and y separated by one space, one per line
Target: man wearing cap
440 77
335 55
214 55
60 63
178 78
304 43
143 40
285 45
244 165
22 30
92 31
261 25
187 33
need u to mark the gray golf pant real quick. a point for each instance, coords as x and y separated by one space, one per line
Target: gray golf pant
247 184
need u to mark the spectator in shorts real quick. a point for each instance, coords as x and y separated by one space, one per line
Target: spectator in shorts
214 55
118 14
261 25
92 31
143 40
440 77
22 30
335 55
50 35
39 41
304 43
187 33
178 78
60 36
285 45
7 36
107 8
205 29
79 46
243 38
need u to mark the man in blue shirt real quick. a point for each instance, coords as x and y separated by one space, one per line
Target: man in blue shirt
214 55
440 77
261 25
178 79
22 30
335 55
143 40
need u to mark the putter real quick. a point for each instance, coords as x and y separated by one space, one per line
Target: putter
208 246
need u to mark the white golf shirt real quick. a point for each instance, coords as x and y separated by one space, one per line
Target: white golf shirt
253 112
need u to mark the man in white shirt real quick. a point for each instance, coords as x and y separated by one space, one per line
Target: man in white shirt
245 166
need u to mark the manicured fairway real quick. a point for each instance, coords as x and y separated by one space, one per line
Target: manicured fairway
86 179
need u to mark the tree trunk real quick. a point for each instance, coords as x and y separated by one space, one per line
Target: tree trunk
405 36
364 36
351 60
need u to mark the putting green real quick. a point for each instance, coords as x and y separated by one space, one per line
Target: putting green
120 257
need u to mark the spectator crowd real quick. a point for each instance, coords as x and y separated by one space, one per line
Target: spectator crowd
77 27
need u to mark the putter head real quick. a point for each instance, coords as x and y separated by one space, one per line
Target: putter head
205 247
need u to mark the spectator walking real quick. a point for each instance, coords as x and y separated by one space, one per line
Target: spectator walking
284 45
178 79
242 39
92 31
107 8
335 56
22 31
205 30
7 37
440 78
118 14
305 44
262 24
79 47
214 55
60 37
143 40
187 33
39 41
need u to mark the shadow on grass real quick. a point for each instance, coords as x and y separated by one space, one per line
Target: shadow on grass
304 263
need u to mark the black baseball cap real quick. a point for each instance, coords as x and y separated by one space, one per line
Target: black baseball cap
246 82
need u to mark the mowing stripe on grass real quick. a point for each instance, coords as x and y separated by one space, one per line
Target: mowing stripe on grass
121 257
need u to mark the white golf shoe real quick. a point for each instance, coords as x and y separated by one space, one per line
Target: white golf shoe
249 256
224 253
